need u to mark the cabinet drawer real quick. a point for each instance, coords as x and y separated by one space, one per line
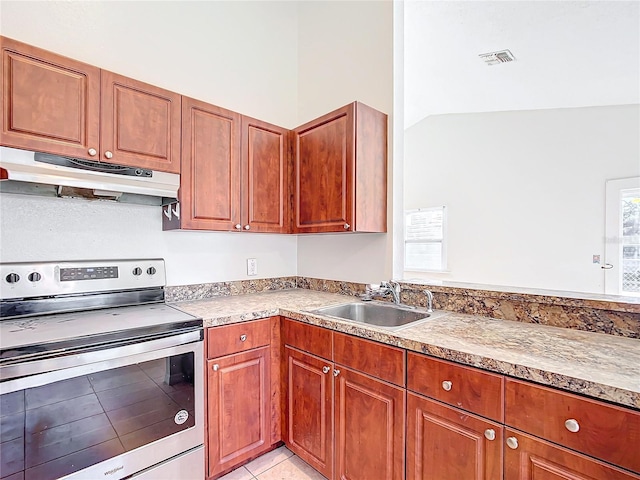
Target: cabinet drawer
238 337
534 459
378 360
308 338
463 387
604 431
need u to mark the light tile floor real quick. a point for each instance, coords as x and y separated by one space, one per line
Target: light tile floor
279 464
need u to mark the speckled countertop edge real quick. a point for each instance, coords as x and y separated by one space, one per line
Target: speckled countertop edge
597 365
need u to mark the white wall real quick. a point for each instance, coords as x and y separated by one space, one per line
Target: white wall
239 55
345 53
38 228
525 190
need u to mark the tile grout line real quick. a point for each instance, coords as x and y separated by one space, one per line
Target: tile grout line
256 477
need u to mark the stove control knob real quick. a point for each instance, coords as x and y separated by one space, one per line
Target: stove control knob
151 270
137 271
12 278
35 277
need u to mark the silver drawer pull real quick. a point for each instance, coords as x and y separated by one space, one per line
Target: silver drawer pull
216 367
572 425
490 434
512 443
325 369
243 338
446 385
336 372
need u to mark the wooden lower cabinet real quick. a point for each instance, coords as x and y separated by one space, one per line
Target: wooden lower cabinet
369 421
239 408
535 459
264 386
309 409
444 443
368 415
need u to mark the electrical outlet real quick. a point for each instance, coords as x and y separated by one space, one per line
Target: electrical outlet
252 266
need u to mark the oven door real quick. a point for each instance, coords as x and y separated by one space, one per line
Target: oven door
103 414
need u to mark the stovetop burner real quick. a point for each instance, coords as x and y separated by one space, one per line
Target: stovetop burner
49 309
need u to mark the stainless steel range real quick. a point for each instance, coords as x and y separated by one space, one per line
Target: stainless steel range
99 378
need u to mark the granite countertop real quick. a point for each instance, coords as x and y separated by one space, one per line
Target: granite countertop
602 366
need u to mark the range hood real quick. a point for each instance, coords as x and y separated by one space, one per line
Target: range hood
32 173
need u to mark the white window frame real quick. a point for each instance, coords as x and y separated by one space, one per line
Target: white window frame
613 225
443 241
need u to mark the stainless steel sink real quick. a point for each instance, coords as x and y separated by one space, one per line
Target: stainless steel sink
380 314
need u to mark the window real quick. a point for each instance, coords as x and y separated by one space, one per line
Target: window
424 242
622 270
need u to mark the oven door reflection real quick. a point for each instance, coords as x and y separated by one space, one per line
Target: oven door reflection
53 430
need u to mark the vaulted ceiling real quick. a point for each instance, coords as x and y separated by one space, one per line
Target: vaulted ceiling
568 54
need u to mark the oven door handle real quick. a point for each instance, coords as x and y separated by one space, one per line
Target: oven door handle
87 358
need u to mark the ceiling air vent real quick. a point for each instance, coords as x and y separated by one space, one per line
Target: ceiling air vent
494 58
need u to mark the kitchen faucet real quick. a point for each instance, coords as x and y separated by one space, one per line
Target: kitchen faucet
429 301
384 289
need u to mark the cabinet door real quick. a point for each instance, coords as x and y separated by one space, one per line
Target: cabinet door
324 169
140 124
50 103
239 408
369 427
528 458
210 176
265 177
444 443
309 412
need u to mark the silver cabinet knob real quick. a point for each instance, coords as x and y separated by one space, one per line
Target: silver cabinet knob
238 226
216 367
347 226
572 425
108 154
325 369
243 338
92 152
247 227
490 434
336 372
446 385
512 443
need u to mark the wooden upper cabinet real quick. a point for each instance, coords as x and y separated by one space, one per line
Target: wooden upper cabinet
265 177
210 174
235 171
140 124
50 103
340 163
58 105
323 171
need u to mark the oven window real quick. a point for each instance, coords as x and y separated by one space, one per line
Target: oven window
59 428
